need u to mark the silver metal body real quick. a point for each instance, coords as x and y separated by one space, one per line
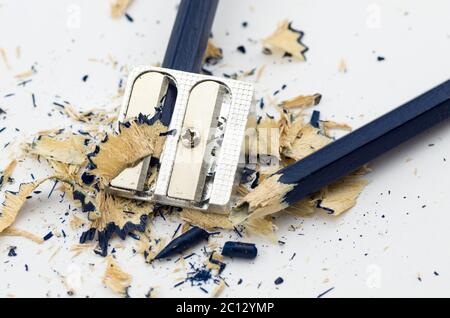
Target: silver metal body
200 158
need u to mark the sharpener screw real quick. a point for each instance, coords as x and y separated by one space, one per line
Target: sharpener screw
190 137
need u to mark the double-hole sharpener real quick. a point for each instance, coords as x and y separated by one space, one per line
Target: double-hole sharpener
203 151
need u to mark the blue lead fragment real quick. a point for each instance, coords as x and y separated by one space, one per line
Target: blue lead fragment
12 251
48 236
183 242
239 250
279 281
315 119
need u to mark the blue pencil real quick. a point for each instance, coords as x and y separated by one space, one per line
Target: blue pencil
354 150
187 43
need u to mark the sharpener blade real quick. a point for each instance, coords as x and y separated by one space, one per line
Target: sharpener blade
147 92
189 171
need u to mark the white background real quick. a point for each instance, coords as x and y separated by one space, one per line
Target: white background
376 256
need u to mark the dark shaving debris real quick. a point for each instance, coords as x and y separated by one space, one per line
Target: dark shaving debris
85 78
199 275
33 99
325 292
183 242
23 83
176 230
245 24
315 119
239 250
328 210
12 251
237 231
241 49
134 236
178 284
261 103
129 17
189 256
171 132
380 58
48 236
53 188
279 281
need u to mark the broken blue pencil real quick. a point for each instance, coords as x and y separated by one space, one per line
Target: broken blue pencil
239 250
183 242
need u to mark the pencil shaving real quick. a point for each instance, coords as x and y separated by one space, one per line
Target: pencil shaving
287 40
115 278
118 7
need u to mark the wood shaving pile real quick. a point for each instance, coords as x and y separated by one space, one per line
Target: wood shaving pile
85 165
85 161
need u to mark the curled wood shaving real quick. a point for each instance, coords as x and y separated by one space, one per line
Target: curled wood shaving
143 246
260 72
24 74
262 226
14 202
125 149
302 101
12 231
290 130
119 211
64 148
305 207
76 222
309 140
340 196
115 278
5 58
219 289
118 7
69 172
77 249
262 201
330 125
206 220
286 40
213 54
94 116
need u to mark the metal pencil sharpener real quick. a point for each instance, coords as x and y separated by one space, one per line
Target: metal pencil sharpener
199 164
